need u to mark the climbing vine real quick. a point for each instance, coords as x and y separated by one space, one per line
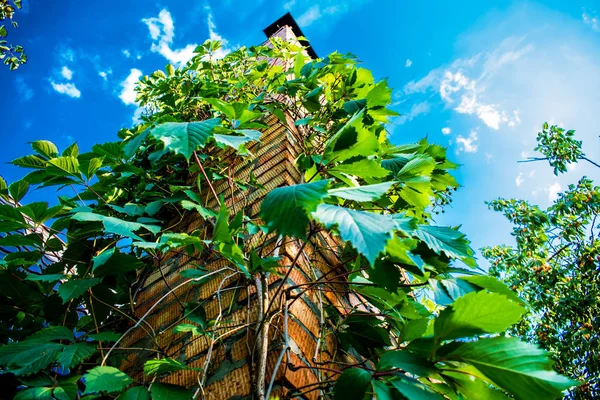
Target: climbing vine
425 324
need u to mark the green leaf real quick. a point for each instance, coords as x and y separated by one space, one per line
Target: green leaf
364 168
183 328
113 262
477 313
75 353
158 367
135 393
116 225
18 190
415 390
367 232
469 382
380 95
447 240
493 285
29 356
248 135
417 169
382 391
65 165
32 161
352 384
406 361
164 391
105 379
519 368
362 193
45 278
133 144
74 288
45 148
185 137
90 167
286 209
38 393
71 151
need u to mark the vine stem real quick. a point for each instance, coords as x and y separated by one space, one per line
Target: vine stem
286 347
155 305
212 189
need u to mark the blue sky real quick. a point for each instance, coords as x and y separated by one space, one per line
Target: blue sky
478 76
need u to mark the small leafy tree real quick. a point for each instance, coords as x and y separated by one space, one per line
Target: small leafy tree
70 270
555 266
13 56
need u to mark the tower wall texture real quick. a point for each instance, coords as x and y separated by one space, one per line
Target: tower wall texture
228 360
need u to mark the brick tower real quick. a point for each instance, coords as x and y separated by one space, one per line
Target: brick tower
299 339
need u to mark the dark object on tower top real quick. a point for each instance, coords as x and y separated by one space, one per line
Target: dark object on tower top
288 20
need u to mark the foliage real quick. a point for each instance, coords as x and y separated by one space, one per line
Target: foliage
554 267
13 56
69 271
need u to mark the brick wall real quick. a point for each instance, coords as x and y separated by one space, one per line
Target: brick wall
233 299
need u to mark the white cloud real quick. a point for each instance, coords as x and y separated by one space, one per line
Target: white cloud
128 94
519 179
310 16
137 116
463 84
126 53
162 32
66 88
468 145
24 91
66 73
408 63
67 54
104 74
416 110
553 190
591 20
446 130
288 6
214 35
315 12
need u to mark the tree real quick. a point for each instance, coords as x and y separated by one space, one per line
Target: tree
13 56
67 295
555 266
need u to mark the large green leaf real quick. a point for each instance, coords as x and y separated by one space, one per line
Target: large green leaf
105 379
135 393
32 161
165 391
364 168
116 225
415 390
18 189
158 367
185 137
477 313
75 353
247 135
29 356
37 393
45 148
286 209
362 193
67 165
74 288
447 240
366 231
519 368
493 285
352 384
